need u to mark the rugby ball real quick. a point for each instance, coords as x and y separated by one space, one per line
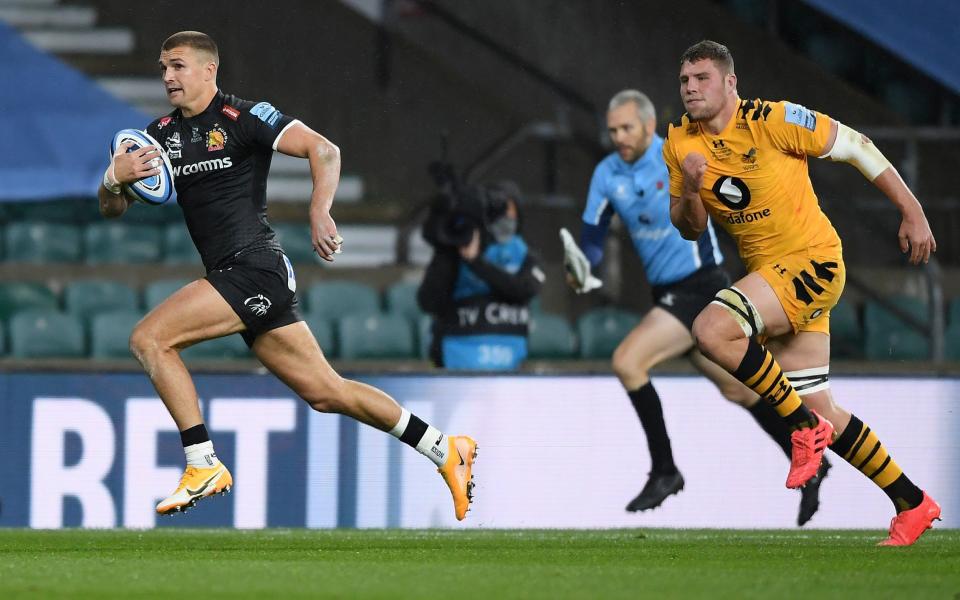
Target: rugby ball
155 189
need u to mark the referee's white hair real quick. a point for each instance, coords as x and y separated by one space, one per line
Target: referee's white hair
644 106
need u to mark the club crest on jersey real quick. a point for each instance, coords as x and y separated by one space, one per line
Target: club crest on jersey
231 112
216 139
174 145
258 305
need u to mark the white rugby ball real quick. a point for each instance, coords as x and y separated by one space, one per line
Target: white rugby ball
155 189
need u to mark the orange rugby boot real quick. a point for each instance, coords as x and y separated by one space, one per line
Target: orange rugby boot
808 446
909 525
195 485
457 471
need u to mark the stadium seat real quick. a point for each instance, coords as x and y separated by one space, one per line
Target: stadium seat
336 299
601 330
295 240
110 333
3 340
323 331
36 242
551 337
889 338
92 296
107 243
952 341
402 300
158 291
846 337
21 295
46 333
142 214
178 248
73 211
222 348
376 335
953 318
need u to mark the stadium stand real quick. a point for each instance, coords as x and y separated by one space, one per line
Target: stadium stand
601 330
295 239
846 335
86 298
42 242
112 243
157 291
551 337
376 335
46 333
889 338
337 299
323 331
16 296
110 333
178 248
227 347
401 299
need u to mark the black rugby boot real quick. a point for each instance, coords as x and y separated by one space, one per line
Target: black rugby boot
658 488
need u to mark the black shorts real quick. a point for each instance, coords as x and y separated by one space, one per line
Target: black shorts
261 288
685 299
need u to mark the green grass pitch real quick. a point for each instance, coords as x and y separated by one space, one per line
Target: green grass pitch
453 565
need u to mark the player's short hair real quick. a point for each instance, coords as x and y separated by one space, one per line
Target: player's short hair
645 108
193 39
717 52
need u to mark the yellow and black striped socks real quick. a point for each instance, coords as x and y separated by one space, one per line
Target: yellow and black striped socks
760 372
859 446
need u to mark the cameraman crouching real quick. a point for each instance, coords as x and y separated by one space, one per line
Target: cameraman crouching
480 280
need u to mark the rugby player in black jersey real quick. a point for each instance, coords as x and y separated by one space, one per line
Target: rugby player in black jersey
220 148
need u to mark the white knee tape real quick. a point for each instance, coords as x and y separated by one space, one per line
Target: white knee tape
742 309
808 381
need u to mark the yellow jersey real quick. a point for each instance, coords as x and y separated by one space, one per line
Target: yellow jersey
757 184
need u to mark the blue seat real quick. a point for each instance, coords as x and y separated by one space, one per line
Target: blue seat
846 336
336 299
44 333
22 295
602 329
157 291
110 333
113 242
35 242
294 238
551 337
402 300
222 348
323 331
178 248
889 338
88 297
376 335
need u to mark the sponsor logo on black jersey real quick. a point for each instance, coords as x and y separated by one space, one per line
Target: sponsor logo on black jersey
204 166
231 112
164 122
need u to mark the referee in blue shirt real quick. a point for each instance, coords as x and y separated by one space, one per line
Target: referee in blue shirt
684 276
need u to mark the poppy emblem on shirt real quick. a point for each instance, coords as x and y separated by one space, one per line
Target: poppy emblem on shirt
659 185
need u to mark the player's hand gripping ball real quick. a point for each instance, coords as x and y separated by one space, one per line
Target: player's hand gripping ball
155 189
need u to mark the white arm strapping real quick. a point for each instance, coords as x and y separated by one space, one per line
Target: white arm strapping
856 149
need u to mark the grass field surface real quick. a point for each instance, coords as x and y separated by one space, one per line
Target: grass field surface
453 565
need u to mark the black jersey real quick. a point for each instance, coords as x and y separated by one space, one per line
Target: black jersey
220 161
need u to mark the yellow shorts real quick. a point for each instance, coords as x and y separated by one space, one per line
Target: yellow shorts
808 287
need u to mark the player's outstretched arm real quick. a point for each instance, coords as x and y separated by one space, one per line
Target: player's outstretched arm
687 211
850 146
324 157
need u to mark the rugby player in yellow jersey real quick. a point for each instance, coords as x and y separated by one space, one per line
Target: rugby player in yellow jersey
745 162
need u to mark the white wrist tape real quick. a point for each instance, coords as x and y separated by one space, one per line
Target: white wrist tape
856 149
110 181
